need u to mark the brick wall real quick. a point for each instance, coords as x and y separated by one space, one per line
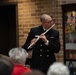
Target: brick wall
29 12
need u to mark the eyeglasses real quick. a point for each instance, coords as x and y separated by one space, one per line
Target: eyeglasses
49 21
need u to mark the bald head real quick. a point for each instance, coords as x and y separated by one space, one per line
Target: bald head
46 21
45 17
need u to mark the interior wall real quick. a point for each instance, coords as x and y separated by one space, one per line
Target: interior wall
29 12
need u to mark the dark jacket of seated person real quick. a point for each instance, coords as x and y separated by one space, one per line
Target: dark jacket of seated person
6 65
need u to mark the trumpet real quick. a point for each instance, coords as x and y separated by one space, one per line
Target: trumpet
39 37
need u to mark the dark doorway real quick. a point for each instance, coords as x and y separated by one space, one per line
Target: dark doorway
8 27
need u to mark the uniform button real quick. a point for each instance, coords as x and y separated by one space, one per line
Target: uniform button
47 50
40 44
40 55
47 55
40 49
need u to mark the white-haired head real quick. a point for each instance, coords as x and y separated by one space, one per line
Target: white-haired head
19 55
58 68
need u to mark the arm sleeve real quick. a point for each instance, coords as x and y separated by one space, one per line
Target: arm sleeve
54 43
28 40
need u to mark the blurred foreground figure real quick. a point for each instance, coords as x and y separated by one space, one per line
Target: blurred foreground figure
6 65
58 68
19 56
35 72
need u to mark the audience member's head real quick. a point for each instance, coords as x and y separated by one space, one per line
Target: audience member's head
6 65
58 68
35 72
18 55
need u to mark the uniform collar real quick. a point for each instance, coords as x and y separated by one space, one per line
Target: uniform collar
44 28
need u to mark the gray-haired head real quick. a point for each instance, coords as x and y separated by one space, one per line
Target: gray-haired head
19 55
45 17
58 68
